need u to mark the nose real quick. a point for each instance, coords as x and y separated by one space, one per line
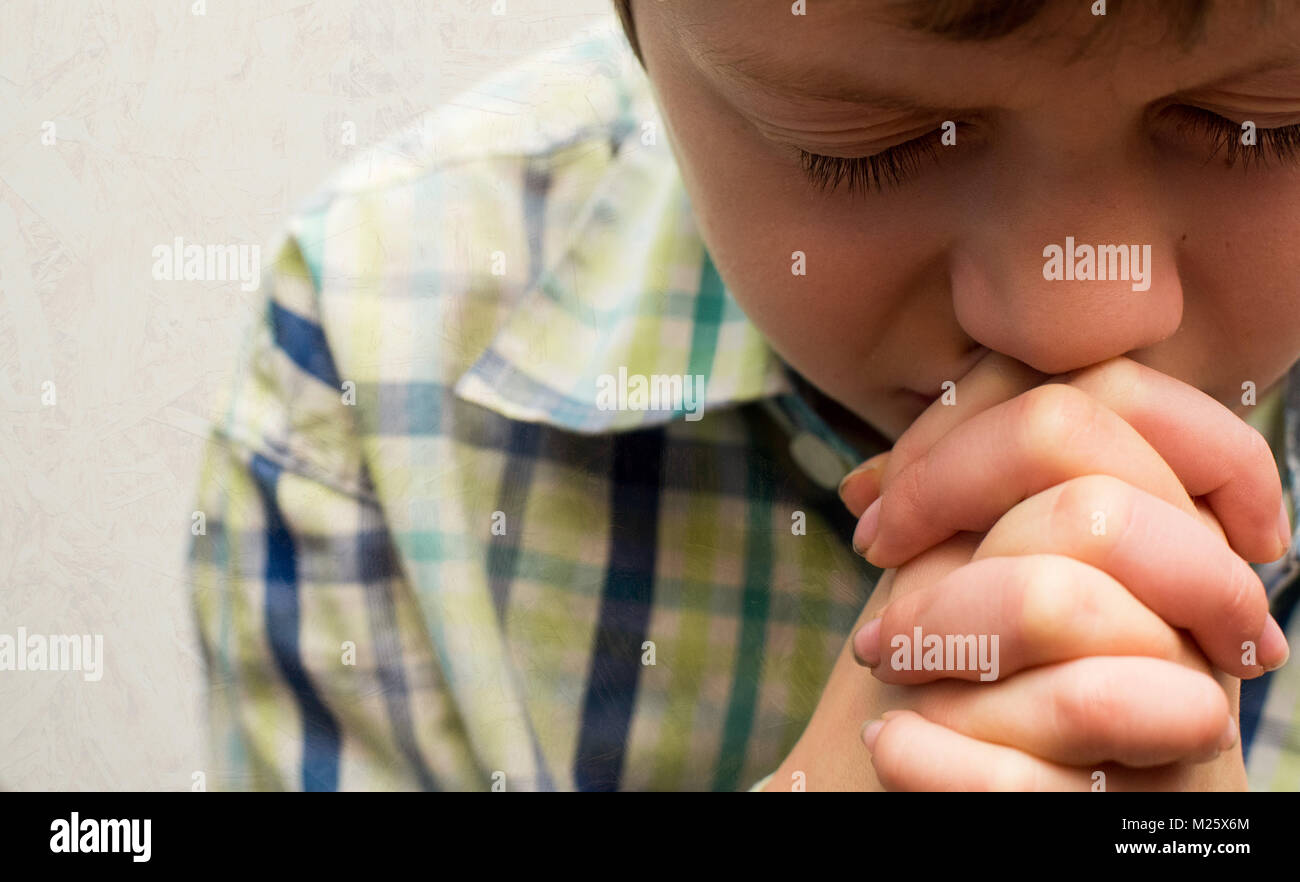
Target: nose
1060 288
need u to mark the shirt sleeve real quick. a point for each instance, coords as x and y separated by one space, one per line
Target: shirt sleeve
320 673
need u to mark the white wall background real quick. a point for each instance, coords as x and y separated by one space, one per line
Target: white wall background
166 123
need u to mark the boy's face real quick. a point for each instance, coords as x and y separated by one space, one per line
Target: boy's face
905 287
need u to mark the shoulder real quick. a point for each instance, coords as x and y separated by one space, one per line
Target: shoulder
395 275
463 198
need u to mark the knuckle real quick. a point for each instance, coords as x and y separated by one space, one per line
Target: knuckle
1121 377
1046 600
1255 446
1088 707
1049 415
1074 511
1244 605
1257 459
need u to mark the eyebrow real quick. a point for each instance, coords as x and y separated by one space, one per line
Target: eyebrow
1269 64
777 76
768 72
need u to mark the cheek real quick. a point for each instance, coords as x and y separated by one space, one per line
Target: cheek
828 299
1239 265
824 277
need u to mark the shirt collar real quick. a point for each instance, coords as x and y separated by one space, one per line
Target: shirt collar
631 293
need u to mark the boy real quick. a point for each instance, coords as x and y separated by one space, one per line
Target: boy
470 526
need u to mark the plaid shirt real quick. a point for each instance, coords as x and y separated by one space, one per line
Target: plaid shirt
433 559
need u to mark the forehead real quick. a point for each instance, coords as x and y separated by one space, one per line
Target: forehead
870 50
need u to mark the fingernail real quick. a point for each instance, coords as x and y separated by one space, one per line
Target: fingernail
1229 736
866 644
870 732
860 487
868 526
1284 534
1273 645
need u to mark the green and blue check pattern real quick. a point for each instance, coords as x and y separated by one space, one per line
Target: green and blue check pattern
432 562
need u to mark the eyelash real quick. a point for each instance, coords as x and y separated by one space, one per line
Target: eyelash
898 164
1271 145
870 173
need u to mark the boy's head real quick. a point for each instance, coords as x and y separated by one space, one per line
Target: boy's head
924 243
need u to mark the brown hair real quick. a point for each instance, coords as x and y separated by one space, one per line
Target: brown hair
984 20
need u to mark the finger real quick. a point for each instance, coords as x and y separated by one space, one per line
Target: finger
922 571
1213 451
999 615
912 754
1196 581
1136 711
993 379
860 487
999 457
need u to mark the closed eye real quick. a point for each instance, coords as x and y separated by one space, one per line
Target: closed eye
1280 144
864 174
